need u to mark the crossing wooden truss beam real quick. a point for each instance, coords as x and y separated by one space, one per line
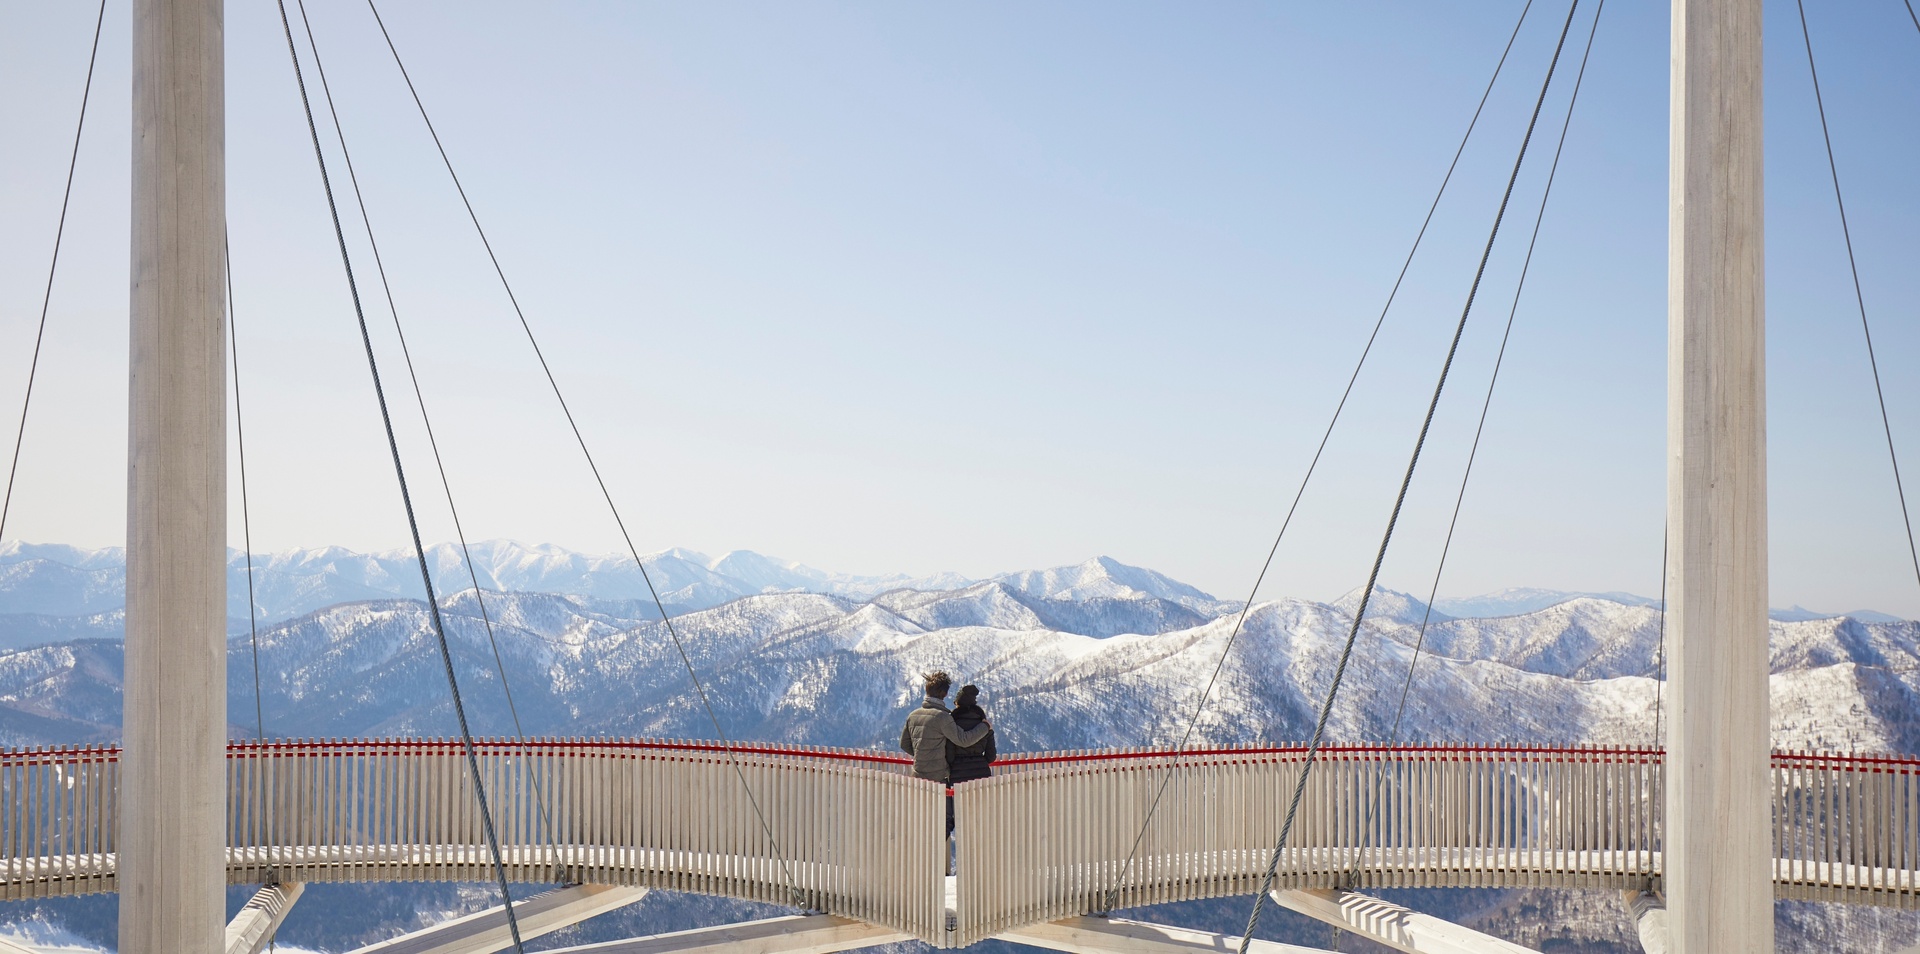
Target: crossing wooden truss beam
251 929
1649 913
826 933
1392 925
794 934
1094 935
486 931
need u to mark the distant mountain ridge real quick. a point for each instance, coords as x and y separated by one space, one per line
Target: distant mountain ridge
1092 655
81 591
49 588
1518 600
1099 653
52 591
1526 599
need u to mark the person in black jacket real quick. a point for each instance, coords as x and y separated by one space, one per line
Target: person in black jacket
965 764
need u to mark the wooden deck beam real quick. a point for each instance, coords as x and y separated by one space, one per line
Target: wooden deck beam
1649 913
486 931
253 927
1091 935
1390 924
795 934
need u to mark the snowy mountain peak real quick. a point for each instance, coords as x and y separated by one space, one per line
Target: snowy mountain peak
1514 601
1797 614
1108 578
1389 604
763 571
19 551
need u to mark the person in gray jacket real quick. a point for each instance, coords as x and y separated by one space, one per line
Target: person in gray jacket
929 729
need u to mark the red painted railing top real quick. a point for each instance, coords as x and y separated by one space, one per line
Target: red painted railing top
63 755
1346 752
550 746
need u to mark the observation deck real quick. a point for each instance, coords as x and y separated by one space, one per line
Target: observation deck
851 835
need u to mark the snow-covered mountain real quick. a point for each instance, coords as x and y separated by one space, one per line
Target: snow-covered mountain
50 592
1069 657
1095 654
1524 599
1104 578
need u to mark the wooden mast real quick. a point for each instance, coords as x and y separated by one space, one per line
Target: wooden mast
1718 846
172 836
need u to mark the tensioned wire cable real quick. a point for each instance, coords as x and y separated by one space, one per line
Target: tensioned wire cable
1113 891
246 518
53 267
1660 664
1373 576
500 666
666 619
406 498
1859 297
1493 381
246 523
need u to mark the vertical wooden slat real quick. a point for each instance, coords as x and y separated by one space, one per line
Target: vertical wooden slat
1038 842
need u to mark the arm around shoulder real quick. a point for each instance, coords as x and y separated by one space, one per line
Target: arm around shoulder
965 738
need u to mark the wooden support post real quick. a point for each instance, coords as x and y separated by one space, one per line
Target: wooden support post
1717 847
173 795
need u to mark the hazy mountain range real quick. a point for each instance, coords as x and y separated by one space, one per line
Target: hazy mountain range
1095 654
53 591
1092 654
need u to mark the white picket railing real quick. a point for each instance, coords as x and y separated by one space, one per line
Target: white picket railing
1050 836
1064 835
824 829
58 809
1847 828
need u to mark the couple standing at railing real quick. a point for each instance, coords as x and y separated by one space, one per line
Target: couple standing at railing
949 746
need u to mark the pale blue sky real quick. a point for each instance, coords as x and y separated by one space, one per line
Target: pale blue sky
981 287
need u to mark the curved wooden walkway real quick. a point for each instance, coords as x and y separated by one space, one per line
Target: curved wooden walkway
1051 836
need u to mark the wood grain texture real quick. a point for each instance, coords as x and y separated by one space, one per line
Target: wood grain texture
173 792
860 839
1718 878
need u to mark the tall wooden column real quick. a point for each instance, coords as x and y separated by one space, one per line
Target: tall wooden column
1718 860
172 835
